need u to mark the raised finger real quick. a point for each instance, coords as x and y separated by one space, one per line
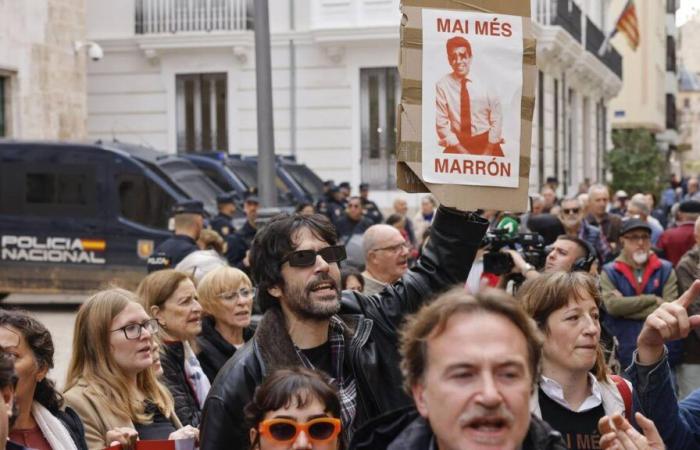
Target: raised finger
670 320
604 425
688 296
608 440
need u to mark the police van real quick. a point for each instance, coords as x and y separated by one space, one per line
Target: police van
79 217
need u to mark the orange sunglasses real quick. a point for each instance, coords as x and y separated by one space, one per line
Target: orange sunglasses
318 430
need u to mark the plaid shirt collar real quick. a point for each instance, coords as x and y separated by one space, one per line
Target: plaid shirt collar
347 388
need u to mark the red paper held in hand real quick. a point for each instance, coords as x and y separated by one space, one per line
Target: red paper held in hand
180 444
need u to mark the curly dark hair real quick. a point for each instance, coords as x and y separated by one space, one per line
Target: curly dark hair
39 341
275 241
285 387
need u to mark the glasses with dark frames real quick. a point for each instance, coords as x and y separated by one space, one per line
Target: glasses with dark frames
307 258
133 330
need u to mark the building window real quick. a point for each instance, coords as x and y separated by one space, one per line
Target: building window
540 127
201 112
3 106
379 94
556 128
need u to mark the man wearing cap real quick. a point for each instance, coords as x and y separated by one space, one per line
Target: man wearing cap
620 201
239 243
633 286
189 221
675 242
369 208
222 223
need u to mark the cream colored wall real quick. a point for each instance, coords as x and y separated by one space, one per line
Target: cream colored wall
689 131
643 95
47 78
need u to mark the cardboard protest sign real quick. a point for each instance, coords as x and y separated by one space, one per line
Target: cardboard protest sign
467 79
179 444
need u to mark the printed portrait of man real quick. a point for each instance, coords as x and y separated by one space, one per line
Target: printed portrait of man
468 117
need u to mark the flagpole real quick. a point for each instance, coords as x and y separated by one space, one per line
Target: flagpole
606 42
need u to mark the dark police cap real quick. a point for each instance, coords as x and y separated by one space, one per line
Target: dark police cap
634 224
226 197
344 185
364 186
252 199
690 206
189 207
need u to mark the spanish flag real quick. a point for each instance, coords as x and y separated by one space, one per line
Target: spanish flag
627 24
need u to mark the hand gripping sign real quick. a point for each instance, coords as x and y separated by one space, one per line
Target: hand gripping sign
467 79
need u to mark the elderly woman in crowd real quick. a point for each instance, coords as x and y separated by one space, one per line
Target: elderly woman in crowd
576 389
170 297
111 382
294 408
42 423
226 295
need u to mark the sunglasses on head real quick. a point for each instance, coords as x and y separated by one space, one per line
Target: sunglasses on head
318 430
307 258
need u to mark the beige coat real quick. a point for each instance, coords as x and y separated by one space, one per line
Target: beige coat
96 417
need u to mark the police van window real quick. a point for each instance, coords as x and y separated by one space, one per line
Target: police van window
72 192
142 201
219 180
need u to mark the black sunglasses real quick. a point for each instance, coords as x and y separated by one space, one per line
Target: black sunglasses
307 258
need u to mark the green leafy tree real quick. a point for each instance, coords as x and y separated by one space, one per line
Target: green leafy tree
636 163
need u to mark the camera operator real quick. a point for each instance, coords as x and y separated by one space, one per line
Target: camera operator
568 254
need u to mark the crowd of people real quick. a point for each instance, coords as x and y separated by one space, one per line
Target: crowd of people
335 327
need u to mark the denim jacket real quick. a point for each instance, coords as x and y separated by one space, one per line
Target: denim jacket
678 422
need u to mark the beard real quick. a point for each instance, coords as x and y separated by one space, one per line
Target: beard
640 257
299 299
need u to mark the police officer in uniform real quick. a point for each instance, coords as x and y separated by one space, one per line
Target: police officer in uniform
189 221
222 223
240 242
370 209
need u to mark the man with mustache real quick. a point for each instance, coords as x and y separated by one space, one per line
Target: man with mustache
633 286
307 322
470 363
468 119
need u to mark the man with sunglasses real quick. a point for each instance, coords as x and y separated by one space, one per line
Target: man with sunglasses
633 286
571 216
306 322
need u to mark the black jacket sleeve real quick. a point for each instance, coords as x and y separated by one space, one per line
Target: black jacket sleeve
186 406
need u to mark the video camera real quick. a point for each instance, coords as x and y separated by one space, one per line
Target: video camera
530 245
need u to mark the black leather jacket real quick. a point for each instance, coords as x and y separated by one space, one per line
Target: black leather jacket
214 349
172 358
371 328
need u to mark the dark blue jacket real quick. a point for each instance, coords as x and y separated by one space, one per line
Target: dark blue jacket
177 247
678 422
656 274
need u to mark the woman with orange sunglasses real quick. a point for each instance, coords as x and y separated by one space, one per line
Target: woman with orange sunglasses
295 409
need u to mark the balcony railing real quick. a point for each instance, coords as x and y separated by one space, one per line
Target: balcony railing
192 16
566 14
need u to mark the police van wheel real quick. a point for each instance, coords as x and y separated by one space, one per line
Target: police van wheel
3 295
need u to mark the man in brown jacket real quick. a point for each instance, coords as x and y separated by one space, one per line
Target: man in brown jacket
688 270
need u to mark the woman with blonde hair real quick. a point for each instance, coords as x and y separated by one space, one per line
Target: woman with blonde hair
111 383
575 389
169 296
226 295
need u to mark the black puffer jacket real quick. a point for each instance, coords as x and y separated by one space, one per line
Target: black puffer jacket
214 349
405 429
370 326
172 358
